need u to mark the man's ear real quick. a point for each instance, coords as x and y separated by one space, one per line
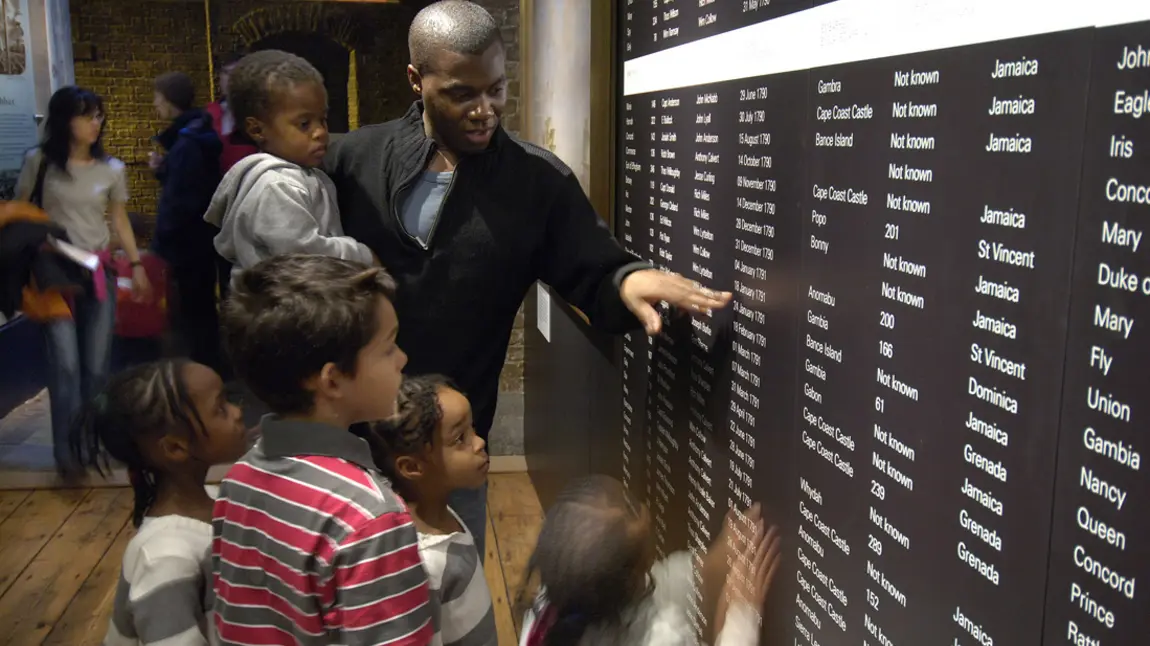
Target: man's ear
409 468
415 80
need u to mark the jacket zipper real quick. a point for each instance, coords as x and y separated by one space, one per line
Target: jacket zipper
404 187
438 213
442 204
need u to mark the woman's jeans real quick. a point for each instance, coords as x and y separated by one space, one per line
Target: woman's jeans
79 356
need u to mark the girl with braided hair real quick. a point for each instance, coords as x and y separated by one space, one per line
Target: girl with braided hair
168 422
428 450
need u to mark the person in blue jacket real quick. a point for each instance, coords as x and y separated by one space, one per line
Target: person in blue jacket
189 171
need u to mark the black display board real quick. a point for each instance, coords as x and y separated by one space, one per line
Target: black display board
930 214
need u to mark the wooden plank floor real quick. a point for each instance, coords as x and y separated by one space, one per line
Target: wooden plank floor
60 558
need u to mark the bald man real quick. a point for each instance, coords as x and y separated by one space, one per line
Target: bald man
467 217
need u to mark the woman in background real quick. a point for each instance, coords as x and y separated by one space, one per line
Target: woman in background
80 188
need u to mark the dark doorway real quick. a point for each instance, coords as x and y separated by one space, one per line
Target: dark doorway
330 58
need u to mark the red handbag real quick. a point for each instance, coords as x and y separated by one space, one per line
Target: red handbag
143 319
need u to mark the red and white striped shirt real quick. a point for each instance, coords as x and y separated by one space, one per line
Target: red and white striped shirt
310 546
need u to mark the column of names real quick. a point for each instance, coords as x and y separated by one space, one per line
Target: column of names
1099 557
1009 262
701 263
634 358
828 595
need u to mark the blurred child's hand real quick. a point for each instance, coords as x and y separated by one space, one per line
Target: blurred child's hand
738 529
751 576
752 572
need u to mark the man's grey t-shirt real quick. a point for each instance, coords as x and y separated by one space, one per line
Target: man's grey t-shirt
421 205
78 200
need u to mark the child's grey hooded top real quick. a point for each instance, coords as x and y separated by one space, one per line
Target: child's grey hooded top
266 206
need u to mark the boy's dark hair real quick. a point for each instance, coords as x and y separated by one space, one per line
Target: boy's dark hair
587 556
413 427
290 315
145 401
178 89
257 80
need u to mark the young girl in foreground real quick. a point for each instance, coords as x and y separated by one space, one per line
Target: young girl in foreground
599 583
168 422
428 450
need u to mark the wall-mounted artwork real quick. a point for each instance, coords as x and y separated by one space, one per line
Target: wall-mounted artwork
17 94
13 43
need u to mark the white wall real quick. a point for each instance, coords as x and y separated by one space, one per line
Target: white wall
560 81
58 23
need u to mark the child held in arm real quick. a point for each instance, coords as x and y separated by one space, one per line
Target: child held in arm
310 545
278 201
168 422
599 583
428 450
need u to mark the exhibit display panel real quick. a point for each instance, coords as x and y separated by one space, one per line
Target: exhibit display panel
930 213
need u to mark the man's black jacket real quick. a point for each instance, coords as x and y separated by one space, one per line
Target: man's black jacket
513 214
189 176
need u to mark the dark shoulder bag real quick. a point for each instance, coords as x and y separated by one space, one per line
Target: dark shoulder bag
37 196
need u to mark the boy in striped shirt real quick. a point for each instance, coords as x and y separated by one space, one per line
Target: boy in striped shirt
310 545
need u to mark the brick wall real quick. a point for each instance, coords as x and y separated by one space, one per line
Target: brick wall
134 42
507 13
137 40
377 33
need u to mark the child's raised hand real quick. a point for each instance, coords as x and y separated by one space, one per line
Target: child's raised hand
749 580
752 574
738 530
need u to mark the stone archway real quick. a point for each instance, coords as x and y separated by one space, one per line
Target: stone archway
325 36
